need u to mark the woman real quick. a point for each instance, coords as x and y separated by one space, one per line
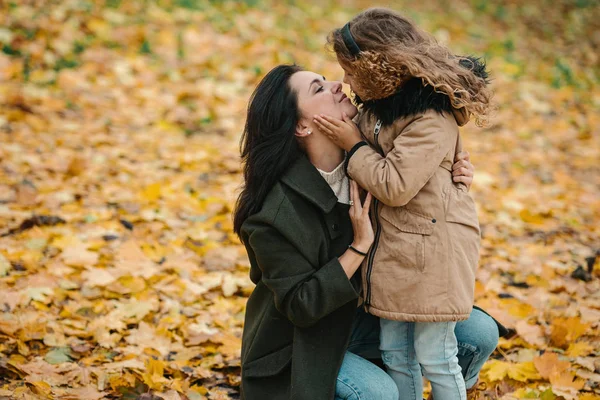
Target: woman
306 235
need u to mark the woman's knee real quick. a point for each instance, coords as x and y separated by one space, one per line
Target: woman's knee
479 331
489 341
486 338
359 379
382 388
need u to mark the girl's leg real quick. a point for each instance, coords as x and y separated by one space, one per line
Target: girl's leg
436 350
398 354
360 379
477 339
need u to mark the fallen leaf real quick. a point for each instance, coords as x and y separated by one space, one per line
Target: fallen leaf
532 334
548 365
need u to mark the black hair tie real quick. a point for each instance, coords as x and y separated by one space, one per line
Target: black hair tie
349 40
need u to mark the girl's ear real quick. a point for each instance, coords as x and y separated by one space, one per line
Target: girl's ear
302 130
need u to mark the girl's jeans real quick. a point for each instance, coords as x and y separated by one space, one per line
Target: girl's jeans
406 347
360 379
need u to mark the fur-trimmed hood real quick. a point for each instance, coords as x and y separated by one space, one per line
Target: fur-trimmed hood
414 97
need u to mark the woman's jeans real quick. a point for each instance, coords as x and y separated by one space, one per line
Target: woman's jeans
360 379
408 347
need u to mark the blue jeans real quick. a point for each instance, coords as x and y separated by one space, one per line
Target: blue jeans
360 379
411 349
477 338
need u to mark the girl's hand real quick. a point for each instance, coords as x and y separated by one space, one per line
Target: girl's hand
361 223
463 170
343 133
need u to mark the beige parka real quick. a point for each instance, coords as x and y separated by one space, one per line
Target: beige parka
422 264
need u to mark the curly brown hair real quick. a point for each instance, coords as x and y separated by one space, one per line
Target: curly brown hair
394 50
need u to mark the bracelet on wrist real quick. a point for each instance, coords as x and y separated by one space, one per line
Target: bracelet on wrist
354 249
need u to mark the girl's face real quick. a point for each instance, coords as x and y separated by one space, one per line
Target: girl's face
317 96
349 78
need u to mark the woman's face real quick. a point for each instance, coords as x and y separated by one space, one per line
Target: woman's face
319 96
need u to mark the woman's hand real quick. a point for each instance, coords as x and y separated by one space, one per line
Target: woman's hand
463 170
343 133
361 223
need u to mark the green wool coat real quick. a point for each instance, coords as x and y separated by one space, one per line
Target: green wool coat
299 316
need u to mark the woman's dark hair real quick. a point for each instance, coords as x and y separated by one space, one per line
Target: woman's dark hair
268 145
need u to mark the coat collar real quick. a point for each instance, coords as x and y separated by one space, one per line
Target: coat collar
303 178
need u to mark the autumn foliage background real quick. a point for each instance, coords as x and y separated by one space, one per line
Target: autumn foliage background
120 276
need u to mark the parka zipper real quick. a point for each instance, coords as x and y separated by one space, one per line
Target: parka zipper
371 257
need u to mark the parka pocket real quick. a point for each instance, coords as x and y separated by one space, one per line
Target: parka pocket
409 246
269 365
460 208
408 221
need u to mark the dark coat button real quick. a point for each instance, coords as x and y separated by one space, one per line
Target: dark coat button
433 220
335 227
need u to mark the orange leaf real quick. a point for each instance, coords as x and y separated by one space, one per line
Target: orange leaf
548 364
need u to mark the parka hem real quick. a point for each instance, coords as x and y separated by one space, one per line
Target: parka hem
398 316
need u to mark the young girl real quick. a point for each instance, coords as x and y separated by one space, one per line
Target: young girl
419 275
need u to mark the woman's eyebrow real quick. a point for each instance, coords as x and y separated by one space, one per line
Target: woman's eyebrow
316 80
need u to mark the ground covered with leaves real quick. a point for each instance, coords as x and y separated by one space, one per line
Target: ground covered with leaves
120 276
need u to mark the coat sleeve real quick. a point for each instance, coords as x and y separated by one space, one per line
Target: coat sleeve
302 293
417 152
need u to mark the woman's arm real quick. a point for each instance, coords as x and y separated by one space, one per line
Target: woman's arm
301 292
363 231
462 170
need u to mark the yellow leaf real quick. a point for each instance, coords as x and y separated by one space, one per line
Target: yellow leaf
154 374
167 126
529 217
567 330
127 284
579 349
567 381
518 309
152 192
41 388
496 370
99 27
199 389
523 372
589 396
122 380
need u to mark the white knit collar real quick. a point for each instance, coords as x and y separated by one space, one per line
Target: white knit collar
334 176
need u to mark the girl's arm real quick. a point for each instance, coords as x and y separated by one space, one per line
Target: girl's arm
417 153
347 136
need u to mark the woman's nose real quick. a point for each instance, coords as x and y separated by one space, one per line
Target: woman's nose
337 86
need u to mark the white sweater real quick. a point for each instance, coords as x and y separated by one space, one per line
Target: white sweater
339 183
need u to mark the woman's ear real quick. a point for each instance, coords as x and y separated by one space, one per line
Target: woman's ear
302 130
